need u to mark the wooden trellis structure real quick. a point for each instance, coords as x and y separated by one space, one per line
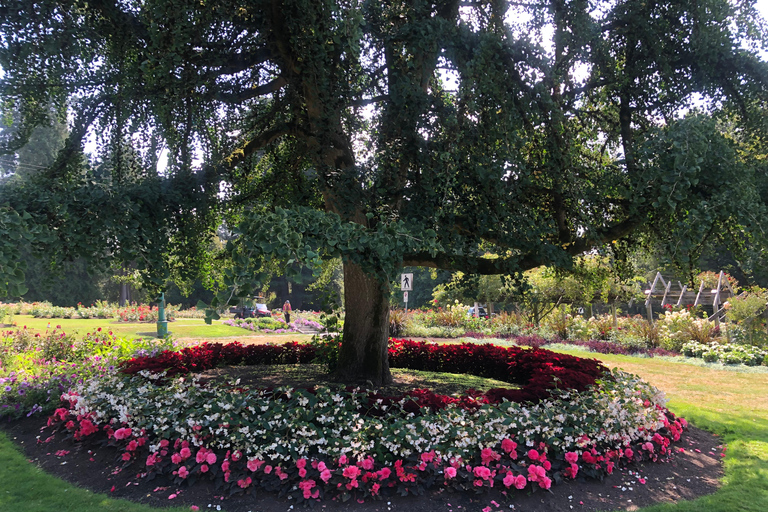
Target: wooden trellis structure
679 294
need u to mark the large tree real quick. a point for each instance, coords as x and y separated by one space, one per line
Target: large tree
390 133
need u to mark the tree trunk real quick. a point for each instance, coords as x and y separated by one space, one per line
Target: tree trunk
363 355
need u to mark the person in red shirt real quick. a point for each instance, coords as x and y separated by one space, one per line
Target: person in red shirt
287 311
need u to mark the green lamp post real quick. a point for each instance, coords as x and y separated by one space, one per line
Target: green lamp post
162 323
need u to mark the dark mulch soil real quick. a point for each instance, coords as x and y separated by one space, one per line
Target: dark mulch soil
688 474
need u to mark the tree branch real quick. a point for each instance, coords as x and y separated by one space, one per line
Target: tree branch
368 101
521 262
254 92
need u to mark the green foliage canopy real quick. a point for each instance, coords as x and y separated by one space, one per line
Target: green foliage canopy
387 133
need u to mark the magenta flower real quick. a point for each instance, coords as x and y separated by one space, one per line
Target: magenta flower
351 472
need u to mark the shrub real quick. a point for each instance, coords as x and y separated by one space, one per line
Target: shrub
451 316
507 323
727 353
648 331
326 351
700 330
398 319
420 331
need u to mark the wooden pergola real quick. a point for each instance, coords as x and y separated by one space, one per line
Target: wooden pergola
669 292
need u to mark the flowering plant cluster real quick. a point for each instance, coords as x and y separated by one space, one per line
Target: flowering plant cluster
538 371
36 368
99 309
274 324
727 353
209 355
145 313
313 444
599 346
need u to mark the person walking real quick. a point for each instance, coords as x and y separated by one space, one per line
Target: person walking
287 312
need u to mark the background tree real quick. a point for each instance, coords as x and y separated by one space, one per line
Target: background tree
389 134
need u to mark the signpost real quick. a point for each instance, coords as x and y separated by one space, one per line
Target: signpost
162 323
406 285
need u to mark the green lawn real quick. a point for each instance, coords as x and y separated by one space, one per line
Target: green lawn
181 328
731 404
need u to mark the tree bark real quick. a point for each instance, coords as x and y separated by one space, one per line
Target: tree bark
363 357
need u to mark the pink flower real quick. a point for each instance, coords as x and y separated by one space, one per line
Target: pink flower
132 445
343 460
508 445
152 459
194 508
176 458
200 457
254 464
185 453
210 458
267 469
321 466
306 484
302 472
520 482
533 454
244 482
183 472
351 472
572 457
325 475
225 466
545 483
628 453
450 472
375 489
547 465
126 456
301 463
482 472
428 456
122 433
536 473
204 468
487 509
385 472
487 455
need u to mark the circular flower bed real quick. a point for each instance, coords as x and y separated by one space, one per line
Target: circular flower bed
336 442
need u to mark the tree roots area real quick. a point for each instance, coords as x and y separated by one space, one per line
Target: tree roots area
693 469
